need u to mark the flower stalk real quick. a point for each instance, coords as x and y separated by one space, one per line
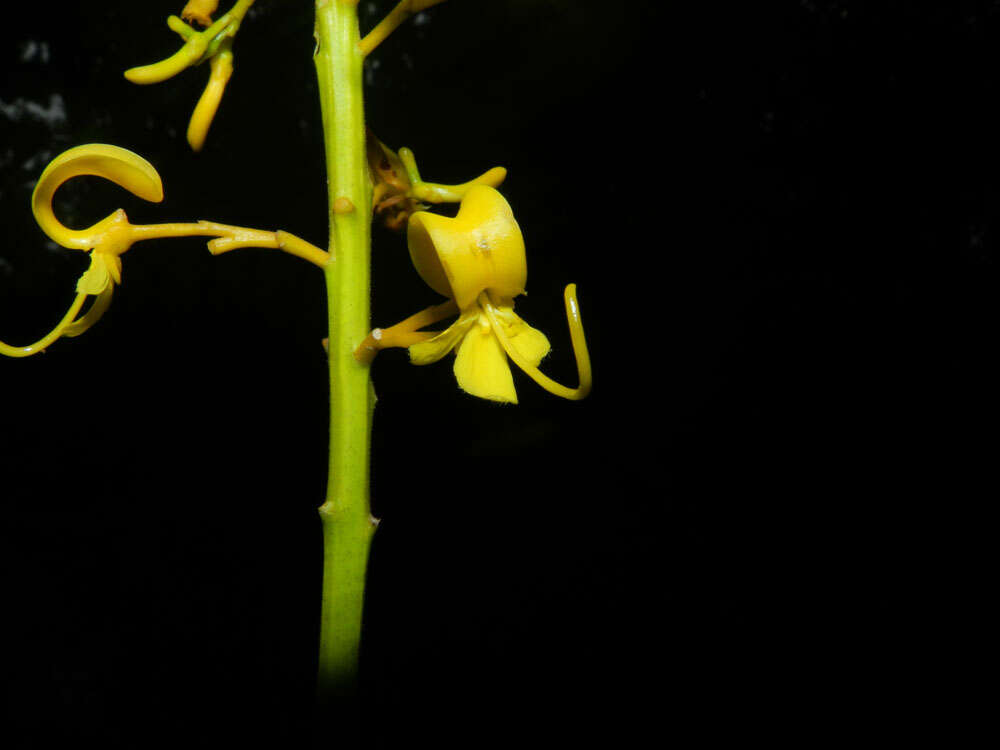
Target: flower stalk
348 526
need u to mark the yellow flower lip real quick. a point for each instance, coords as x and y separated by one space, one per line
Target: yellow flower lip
121 166
481 249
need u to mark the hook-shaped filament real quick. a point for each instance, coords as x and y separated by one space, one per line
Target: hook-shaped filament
576 336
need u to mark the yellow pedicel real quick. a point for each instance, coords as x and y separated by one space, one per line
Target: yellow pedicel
477 259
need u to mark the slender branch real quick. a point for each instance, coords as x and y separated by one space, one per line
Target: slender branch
391 22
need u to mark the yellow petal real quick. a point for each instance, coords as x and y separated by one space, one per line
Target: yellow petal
423 254
92 315
114 267
530 343
481 366
430 351
97 277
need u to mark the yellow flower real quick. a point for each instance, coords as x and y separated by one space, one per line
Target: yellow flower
109 238
113 235
477 259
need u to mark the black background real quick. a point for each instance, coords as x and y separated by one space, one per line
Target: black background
781 217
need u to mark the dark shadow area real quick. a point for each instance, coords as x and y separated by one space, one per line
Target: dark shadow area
781 220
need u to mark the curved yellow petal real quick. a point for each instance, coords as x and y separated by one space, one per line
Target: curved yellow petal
432 350
97 278
481 366
529 342
420 238
94 314
481 249
121 166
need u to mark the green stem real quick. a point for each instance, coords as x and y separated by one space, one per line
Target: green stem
347 523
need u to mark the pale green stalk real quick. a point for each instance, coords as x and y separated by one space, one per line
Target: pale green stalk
347 523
